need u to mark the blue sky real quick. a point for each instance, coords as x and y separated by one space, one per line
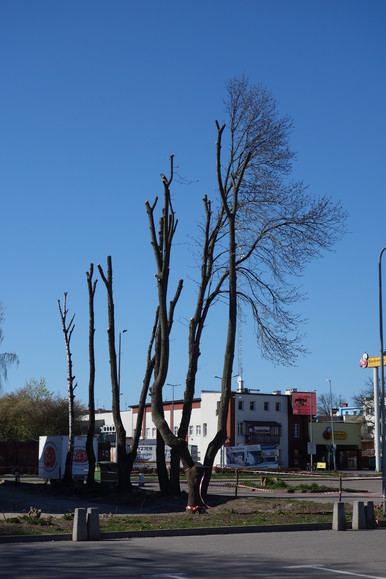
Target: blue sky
94 98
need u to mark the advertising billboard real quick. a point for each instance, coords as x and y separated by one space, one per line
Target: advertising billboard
53 452
251 456
304 403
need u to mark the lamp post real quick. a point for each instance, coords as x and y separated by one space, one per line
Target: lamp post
382 387
311 442
119 360
172 420
332 428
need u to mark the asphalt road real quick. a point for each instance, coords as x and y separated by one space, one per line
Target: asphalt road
312 554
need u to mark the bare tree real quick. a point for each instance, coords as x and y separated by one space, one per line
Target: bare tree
275 227
162 245
6 358
365 395
91 285
265 230
68 328
123 473
324 403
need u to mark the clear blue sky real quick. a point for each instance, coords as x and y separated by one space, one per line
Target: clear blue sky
94 98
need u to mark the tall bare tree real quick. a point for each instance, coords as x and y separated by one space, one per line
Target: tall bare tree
267 228
91 285
6 358
162 245
68 328
123 473
275 227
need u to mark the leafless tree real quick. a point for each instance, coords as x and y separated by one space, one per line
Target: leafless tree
264 231
68 328
275 227
365 394
91 285
324 403
6 358
162 245
123 474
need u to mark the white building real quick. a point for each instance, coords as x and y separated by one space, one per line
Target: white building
254 418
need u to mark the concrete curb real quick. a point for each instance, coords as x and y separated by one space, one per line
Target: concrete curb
176 532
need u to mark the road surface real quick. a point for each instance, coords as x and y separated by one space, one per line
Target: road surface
312 554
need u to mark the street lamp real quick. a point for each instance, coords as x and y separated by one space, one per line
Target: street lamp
172 420
382 388
332 428
311 442
119 360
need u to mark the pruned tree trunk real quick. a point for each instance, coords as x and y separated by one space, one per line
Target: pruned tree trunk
68 328
123 475
91 390
132 455
162 245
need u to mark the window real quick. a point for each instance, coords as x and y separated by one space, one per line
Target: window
251 405
198 430
277 406
296 430
205 429
217 408
175 430
240 428
147 432
240 405
153 432
191 430
266 406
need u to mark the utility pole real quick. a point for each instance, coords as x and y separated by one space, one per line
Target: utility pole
382 387
332 429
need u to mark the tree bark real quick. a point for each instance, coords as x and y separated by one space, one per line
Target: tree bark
67 332
123 475
91 397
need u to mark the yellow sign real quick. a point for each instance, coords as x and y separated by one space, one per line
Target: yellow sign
321 465
375 362
339 435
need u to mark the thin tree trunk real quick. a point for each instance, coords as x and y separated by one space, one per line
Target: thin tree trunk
123 475
91 397
67 332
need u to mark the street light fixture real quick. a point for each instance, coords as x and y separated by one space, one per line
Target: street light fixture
382 387
172 421
311 441
332 428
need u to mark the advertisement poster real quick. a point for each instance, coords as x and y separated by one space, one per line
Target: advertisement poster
252 456
52 456
304 403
